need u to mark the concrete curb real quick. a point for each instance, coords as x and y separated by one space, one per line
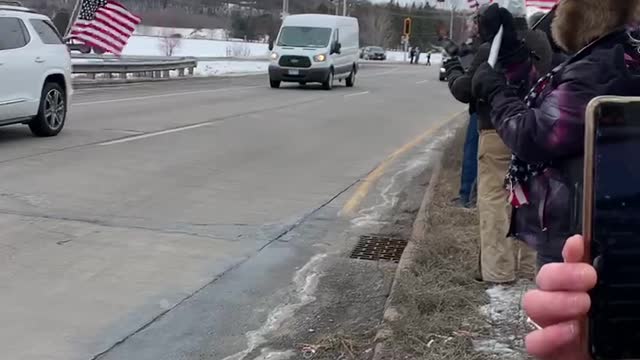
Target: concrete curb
392 312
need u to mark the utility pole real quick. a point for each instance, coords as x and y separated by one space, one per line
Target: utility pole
453 12
344 8
285 8
451 24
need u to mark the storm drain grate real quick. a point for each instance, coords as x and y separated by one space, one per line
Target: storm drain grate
371 247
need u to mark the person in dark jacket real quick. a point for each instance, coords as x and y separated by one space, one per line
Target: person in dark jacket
498 254
546 130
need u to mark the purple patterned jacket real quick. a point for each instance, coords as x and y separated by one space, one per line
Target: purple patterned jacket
552 131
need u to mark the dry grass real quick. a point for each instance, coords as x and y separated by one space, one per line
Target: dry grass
437 297
339 346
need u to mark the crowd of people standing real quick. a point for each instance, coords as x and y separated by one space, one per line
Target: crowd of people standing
527 117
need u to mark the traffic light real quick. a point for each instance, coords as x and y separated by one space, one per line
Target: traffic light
407 27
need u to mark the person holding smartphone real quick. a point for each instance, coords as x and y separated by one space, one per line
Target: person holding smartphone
560 305
546 130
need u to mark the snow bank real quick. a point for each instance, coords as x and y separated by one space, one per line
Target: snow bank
210 34
399 56
218 68
152 46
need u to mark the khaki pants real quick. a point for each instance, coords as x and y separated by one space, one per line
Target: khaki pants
500 257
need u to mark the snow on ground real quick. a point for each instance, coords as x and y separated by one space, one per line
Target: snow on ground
396 56
218 68
153 46
506 316
211 34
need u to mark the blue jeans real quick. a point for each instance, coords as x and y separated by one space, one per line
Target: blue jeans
469 161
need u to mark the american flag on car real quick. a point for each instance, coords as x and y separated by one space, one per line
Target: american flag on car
104 24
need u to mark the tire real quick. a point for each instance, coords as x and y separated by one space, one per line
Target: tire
274 84
52 112
351 80
328 84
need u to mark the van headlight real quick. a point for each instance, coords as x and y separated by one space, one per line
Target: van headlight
274 56
320 58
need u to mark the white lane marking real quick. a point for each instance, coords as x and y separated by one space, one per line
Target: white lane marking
157 133
380 73
160 96
423 81
357 94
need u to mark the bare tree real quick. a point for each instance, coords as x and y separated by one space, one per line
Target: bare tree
170 42
375 24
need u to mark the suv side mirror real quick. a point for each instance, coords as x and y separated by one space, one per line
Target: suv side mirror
335 49
270 44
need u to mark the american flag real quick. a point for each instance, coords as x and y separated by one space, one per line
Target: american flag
545 5
104 24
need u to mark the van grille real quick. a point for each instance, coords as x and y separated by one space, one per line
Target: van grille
295 61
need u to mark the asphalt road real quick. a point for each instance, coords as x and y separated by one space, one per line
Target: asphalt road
160 195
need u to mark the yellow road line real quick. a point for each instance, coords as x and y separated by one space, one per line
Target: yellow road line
372 178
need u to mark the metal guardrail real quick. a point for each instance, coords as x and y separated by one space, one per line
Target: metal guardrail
137 66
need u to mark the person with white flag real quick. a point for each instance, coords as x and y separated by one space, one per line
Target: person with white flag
498 254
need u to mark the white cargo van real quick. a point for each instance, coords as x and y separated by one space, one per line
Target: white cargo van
313 48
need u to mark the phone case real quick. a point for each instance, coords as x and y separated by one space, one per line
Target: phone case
589 186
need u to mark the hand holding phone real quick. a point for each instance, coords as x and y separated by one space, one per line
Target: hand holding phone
560 305
611 226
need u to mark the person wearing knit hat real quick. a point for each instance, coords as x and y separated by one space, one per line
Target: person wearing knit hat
499 254
545 131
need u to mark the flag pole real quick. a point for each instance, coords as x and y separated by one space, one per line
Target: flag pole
74 16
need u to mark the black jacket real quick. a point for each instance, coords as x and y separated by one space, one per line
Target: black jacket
460 85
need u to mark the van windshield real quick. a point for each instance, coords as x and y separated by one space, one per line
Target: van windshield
302 36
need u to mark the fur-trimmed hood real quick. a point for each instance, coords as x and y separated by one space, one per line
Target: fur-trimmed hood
579 22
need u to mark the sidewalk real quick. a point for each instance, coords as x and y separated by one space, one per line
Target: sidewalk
437 310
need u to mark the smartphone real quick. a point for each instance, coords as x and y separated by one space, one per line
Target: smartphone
611 225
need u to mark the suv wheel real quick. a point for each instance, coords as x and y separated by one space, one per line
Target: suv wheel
328 84
52 112
274 84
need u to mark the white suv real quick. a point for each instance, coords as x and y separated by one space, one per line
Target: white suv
35 71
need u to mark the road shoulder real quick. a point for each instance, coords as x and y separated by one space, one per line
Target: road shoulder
436 309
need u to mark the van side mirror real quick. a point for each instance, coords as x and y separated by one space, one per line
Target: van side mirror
270 44
335 49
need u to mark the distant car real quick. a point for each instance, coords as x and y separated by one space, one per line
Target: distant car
374 53
35 68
